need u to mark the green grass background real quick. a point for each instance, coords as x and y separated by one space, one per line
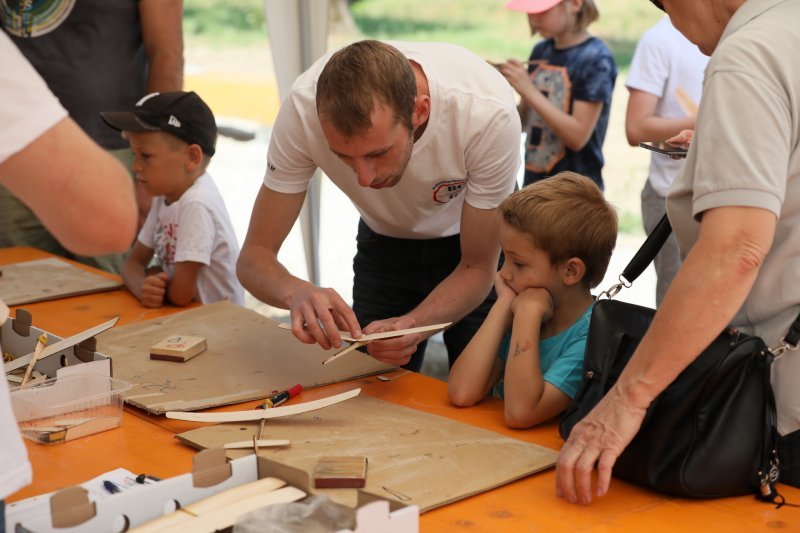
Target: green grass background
483 26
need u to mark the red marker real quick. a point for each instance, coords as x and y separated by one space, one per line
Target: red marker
276 399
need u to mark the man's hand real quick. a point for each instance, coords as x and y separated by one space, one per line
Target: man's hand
154 288
318 314
397 350
597 440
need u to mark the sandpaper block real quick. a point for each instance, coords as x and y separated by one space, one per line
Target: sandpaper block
346 472
179 348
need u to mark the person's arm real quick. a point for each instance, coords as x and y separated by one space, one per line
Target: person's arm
478 367
182 288
643 125
267 279
575 129
86 201
149 289
455 296
710 287
162 33
528 399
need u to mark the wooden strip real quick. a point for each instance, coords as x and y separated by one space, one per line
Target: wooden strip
225 517
61 345
41 343
261 443
258 414
351 348
231 496
383 334
685 101
182 517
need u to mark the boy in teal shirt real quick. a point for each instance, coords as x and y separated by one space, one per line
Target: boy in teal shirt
557 237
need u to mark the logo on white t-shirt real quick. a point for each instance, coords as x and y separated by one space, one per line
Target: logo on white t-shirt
446 190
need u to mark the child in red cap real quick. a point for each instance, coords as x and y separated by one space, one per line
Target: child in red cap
565 89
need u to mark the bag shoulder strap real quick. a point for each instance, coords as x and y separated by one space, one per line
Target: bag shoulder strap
647 252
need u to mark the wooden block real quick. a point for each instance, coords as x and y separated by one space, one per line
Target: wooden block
178 348
345 472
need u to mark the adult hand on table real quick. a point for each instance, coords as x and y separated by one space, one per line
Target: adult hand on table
396 350
597 440
318 314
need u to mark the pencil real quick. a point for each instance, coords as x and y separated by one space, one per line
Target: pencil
529 62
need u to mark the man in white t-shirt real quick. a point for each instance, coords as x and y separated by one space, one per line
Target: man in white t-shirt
665 68
424 140
65 175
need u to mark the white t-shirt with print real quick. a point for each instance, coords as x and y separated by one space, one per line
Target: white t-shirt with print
196 228
665 61
469 151
27 110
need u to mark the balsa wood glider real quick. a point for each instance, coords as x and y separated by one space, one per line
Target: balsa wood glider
260 414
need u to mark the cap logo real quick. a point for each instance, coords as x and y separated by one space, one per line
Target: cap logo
174 121
146 98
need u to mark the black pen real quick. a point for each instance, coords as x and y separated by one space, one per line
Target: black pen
142 478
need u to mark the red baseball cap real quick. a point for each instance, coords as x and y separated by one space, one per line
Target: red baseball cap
532 6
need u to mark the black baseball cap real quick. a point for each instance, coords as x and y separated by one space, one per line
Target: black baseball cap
183 114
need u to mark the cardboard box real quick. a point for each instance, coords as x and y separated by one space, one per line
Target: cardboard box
18 337
70 510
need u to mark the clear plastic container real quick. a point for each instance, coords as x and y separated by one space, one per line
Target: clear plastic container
68 407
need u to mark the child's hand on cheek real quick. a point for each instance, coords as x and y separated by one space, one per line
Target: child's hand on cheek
153 290
504 292
534 300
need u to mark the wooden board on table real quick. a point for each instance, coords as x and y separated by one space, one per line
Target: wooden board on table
248 357
48 279
178 348
414 457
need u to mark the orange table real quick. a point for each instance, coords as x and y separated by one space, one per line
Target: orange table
144 443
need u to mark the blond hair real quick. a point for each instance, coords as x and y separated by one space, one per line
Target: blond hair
566 216
360 76
587 14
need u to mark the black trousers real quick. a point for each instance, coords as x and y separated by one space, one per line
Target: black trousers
392 276
789 456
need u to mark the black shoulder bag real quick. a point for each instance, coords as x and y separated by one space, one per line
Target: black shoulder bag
711 433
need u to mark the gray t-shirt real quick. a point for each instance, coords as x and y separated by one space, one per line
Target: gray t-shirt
90 53
746 153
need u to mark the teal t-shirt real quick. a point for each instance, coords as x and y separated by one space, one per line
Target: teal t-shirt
561 357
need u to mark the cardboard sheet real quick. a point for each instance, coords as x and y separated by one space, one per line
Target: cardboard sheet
414 457
247 358
48 279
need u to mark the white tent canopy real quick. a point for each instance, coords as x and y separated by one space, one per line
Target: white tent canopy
298 32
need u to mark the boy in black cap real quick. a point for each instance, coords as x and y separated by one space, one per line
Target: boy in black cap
173 136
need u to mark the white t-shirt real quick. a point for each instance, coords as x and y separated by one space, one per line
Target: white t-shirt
664 61
196 228
27 107
468 152
746 153
27 110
